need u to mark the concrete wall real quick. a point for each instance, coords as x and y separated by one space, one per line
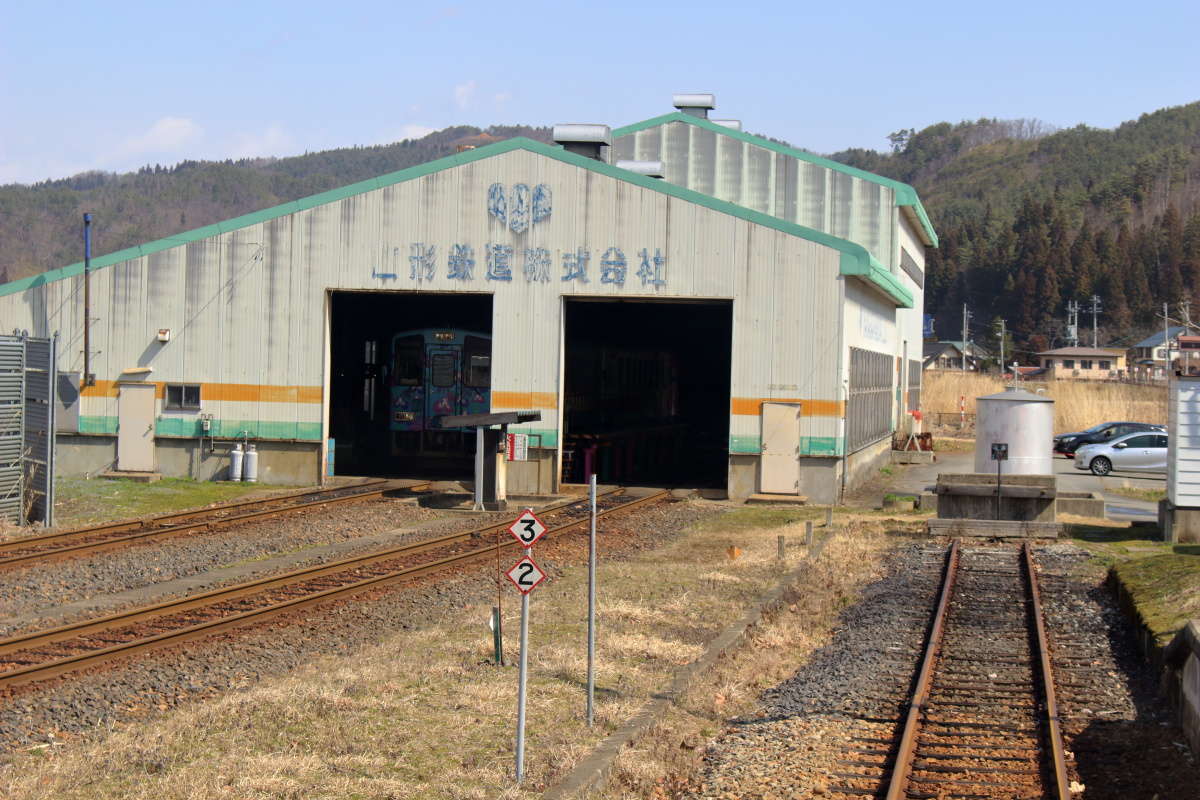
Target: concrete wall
284 463
535 476
863 464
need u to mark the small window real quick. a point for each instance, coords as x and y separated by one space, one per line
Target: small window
478 362
1085 363
1105 365
406 369
1141 441
442 367
182 396
1069 363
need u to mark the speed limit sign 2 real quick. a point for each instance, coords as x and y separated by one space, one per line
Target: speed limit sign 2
526 575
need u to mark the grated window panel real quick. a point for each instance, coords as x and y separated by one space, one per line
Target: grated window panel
869 404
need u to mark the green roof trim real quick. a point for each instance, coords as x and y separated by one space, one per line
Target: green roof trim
905 194
855 260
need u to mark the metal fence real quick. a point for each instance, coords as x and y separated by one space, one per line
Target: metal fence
27 407
914 384
869 404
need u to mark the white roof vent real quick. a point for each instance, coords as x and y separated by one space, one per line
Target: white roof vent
651 169
584 139
732 124
697 105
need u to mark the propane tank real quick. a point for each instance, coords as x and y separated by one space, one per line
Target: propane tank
235 462
250 465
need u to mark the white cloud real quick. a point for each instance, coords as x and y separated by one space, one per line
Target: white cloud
502 98
463 93
273 141
168 135
414 132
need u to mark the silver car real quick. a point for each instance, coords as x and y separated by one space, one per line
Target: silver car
1133 452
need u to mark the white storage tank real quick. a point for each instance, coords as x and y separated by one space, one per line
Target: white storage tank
1022 420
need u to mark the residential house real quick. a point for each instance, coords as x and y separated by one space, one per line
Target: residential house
949 355
1148 358
1083 363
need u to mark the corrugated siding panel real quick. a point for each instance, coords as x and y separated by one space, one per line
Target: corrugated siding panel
12 427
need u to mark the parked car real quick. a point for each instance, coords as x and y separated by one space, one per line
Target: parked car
1133 452
1068 443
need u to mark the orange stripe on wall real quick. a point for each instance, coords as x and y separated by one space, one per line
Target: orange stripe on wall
241 392
752 406
524 400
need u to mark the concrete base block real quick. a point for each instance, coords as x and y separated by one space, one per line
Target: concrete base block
1182 657
1181 525
995 528
913 457
928 501
777 499
1083 504
1023 498
140 477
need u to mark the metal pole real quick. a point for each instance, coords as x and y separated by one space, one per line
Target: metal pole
963 364
524 662
1166 343
998 462
591 644
478 469
87 300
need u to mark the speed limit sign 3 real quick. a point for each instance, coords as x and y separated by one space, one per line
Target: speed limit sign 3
526 575
527 528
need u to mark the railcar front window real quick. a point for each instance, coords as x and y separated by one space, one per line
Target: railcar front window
443 370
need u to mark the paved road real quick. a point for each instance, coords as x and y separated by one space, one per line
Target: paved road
923 477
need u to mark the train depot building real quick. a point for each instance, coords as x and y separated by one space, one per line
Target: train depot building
748 322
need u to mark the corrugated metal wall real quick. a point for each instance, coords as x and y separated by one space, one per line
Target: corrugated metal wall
771 182
12 427
246 307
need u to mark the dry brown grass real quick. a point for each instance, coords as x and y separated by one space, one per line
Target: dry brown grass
667 757
1077 404
424 714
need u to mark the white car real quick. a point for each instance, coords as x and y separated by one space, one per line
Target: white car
1133 452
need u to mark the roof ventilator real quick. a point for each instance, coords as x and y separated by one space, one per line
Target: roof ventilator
696 105
732 124
651 169
584 139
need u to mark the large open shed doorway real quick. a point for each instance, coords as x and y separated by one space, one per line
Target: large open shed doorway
398 360
646 391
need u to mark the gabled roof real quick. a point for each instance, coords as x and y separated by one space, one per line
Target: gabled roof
906 196
1156 339
1084 351
855 260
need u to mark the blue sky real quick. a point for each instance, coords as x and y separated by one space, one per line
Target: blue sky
114 86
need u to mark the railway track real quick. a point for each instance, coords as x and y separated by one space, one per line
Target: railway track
982 718
46 654
114 535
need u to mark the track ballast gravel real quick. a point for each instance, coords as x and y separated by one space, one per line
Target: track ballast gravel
1122 738
240 658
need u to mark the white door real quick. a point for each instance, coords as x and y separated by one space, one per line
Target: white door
135 427
780 448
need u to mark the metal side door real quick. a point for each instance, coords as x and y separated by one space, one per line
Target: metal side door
135 427
780 472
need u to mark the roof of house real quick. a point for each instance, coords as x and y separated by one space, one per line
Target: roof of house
855 259
1083 351
1156 339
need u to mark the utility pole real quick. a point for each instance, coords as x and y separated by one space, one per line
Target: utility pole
1095 310
1001 349
1166 342
1073 322
966 328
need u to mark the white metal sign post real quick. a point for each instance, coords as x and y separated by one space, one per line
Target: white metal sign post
526 575
591 644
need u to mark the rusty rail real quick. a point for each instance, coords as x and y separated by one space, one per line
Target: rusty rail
49 669
908 741
98 538
1050 709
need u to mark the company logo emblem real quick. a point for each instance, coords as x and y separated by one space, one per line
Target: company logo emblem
520 207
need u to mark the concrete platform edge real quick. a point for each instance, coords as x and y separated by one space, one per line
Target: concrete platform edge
592 773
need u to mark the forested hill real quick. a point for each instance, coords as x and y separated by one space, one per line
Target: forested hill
41 225
1031 219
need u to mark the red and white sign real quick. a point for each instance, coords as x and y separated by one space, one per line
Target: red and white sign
526 575
527 529
517 447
